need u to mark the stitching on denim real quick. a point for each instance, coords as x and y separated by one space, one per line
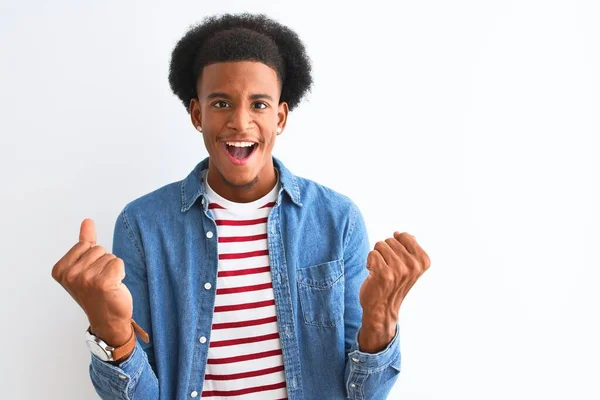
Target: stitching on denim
130 232
358 377
370 370
321 324
183 198
313 321
306 282
297 190
277 212
107 380
353 219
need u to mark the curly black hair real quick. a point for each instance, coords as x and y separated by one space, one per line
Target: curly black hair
241 37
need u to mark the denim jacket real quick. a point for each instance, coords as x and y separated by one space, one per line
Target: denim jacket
318 248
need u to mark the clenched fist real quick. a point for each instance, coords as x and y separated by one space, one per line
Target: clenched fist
94 278
394 264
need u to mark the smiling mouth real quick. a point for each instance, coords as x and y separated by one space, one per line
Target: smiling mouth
240 151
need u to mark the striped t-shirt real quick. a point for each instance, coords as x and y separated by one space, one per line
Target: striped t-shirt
244 356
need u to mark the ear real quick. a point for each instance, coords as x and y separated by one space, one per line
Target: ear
195 113
282 114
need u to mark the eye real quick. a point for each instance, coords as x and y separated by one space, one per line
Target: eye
261 105
220 104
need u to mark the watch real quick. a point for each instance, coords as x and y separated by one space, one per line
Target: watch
105 352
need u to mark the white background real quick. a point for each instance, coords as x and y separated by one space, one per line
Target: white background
472 125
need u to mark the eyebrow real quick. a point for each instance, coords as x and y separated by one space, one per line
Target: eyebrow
226 96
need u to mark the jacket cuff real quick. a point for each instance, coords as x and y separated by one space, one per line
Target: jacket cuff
372 362
119 378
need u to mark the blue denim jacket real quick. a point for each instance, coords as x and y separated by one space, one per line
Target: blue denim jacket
318 248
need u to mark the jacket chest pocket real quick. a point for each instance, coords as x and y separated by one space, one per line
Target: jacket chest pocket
321 292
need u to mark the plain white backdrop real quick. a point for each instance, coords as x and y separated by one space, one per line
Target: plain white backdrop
472 125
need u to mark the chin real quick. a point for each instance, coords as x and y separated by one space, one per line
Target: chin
240 179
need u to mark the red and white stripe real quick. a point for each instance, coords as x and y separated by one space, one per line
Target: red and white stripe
244 356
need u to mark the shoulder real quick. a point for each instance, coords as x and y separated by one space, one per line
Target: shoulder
315 194
330 204
161 201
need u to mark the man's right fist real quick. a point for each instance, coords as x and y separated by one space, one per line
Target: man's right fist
94 278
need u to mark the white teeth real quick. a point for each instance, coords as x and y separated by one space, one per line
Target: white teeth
239 144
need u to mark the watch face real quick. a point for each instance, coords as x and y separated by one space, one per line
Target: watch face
97 350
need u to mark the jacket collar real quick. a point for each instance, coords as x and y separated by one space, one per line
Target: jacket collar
192 188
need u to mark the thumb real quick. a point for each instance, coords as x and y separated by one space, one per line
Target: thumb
87 232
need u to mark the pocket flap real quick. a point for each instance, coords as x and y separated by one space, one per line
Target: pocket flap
321 275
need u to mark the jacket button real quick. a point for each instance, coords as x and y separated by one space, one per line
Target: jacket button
209 234
194 394
207 286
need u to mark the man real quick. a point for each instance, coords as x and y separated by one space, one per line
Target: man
251 282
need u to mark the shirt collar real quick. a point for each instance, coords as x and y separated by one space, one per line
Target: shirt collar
192 188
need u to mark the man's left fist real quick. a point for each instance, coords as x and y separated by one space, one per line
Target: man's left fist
394 265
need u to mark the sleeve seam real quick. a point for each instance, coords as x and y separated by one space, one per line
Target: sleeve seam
130 233
351 228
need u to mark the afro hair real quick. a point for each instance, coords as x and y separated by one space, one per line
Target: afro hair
241 37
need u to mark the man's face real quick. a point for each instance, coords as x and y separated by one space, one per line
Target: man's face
238 110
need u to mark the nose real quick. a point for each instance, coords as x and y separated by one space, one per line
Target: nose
240 119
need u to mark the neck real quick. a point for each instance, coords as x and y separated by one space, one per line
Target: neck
254 190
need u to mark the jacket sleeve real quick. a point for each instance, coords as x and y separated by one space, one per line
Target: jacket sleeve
367 376
135 377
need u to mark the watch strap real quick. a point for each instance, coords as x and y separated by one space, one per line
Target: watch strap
127 347
140 332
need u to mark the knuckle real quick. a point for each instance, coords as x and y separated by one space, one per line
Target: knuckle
413 262
78 247
99 249
387 275
372 254
70 277
370 257
401 275
427 260
407 272
87 282
108 258
55 270
117 263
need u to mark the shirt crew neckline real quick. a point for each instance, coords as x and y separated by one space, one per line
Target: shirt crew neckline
214 197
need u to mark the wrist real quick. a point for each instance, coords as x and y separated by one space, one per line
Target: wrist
376 333
115 335
374 340
380 321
